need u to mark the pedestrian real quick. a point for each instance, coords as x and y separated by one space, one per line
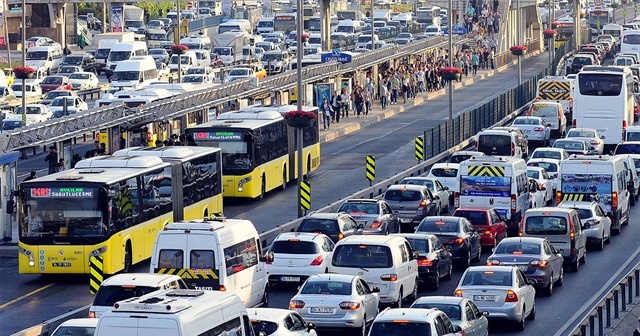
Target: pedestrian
384 95
345 102
52 159
459 64
60 166
367 97
123 142
32 176
81 41
475 61
395 86
496 3
67 51
75 159
336 106
326 110
358 101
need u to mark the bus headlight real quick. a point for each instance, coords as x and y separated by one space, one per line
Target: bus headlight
31 261
242 182
98 251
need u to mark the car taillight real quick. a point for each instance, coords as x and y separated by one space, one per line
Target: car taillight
425 262
572 231
521 227
92 314
539 263
317 261
488 232
511 296
456 200
513 202
389 277
574 123
422 205
458 293
595 142
297 304
538 129
614 200
340 235
624 124
457 241
593 222
513 149
376 224
558 197
493 262
349 305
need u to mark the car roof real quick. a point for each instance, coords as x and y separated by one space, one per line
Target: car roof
583 129
468 153
577 204
440 299
489 268
547 209
139 279
474 208
545 160
420 314
331 276
552 149
302 236
363 200
81 322
425 236
446 164
369 239
414 187
523 239
442 218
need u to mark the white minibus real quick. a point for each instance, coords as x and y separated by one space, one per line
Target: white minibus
134 73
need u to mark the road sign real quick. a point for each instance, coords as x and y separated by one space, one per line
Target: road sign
419 149
336 55
624 12
95 273
305 195
371 168
598 24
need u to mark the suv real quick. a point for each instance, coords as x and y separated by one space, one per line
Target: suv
374 215
599 232
275 61
335 225
502 141
413 321
85 61
413 203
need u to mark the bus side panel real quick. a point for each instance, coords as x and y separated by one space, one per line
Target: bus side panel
313 153
273 173
211 205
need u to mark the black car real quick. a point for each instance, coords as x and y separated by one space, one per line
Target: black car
434 261
85 61
457 234
335 225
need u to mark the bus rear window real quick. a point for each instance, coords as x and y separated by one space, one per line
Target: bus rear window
631 39
600 84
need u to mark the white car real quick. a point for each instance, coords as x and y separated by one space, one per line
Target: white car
549 153
503 291
591 213
550 165
83 80
32 89
544 181
447 174
436 187
77 327
462 312
74 105
163 69
196 79
460 156
240 74
591 136
6 93
433 30
294 256
36 113
279 322
202 70
534 128
536 195
405 36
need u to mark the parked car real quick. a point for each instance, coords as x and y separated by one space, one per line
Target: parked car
375 216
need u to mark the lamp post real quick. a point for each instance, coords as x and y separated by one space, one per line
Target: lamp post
450 27
24 61
299 51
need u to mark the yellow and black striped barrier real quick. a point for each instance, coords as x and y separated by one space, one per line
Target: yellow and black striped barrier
419 149
305 195
486 171
575 197
371 168
96 274
203 274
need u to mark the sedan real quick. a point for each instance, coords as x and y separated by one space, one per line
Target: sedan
279 322
36 113
196 79
405 36
550 153
534 128
31 90
240 74
38 41
434 261
462 312
51 83
487 221
68 70
536 194
573 146
590 136
375 216
460 156
84 80
77 327
447 174
159 55
74 105
51 95
337 301
543 179
599 231
457 234
436 187
503 291
551 166
294 256
536 257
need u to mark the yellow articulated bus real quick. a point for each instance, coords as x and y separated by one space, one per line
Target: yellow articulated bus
112 206
258 148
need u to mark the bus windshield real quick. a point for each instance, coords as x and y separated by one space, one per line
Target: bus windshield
236 152
62 212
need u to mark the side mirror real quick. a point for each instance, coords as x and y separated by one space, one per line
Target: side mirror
609 214
269 257
310 326
485 313
436 197
457 329
445 188
586 226
414 255
375 289
262 333
603 137
532 282
548 125
10 206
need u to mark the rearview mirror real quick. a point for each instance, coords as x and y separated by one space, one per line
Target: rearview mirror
609 214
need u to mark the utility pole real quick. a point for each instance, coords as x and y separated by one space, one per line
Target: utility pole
178 39
299 146
450 27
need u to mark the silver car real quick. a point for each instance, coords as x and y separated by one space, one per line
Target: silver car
375 216
591 136
413 202
436 187
599 231
337 301
534 128
462 312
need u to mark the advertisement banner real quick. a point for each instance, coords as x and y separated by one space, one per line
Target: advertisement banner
586 183
323 91
487 186
226 7
116 19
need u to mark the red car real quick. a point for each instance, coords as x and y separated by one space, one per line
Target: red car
486 220
51 83
636 108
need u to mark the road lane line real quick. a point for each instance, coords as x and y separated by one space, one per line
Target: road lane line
597 296
26 295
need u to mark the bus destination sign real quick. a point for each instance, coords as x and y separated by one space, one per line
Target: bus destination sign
62 192
217 136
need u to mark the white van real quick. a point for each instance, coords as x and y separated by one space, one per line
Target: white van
134 73
197 42
175 88
187 60
496 182
601 178
387 262
265 25
177 312
500 143
46 57
123 52
236 24
203 57
215 254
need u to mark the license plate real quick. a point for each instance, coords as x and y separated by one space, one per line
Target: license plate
290 279
405 220
61 264
484 298
321 310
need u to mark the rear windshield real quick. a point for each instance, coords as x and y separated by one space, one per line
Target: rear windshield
633 136
452 310
426 183
545 225
475 217
420 245
548 166
403 328
294 247
549 154
491 278
266 327
327 288
437 226
326 226
444 172
569 145
600 84
402 195
627 149
359 208
459 158
544 110
581 134
75 331
495 144
533 174
582 61
516 247
584 213
109 295
366 256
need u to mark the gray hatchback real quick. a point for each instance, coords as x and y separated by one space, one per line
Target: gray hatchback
413 203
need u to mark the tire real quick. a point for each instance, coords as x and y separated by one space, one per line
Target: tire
398 304
449 274
548 291
414 293
263 188
583 260
608 240
446 208
363 329
626 222
436 283
600 244
479 255
519 325
265 297
575 266
284 180
632 200
560 280
128 258
467 262
615 231
532 314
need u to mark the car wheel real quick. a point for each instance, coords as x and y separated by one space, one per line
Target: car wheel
265 297
478 255
128 261
398 304
446 207
632 200
519 326
548 291
414 293
608 240
467 261
560 280
575 266
449 274
616 231
386 230
600 244
584 258
363 329
532 314
436 282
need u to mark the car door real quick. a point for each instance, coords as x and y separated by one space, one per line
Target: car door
408 268
468 319
498 225
389 218
370 302
472 234
442 193
556 262
525 289
441 252
481 323
581 236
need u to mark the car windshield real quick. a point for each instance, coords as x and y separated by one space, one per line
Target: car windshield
32 110
475 217
326 226
294 246
195 71
54 94
239 72
353 208
362 256
108 295
326 287
272 57
444 172
52 80
437 226
545 225
517 247
404 328
193 79
546 154
125 76
222 51
581 134
601 84
432 29
534 174
68 70
37 55
624 148
117 56
403 195
60 101
156 52
487 278
80 76
11 124
633 136
266 327
459 158
526 121
72 60
452 310
494 144
569 145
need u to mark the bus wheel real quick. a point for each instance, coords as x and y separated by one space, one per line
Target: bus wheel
127 258
306 176
262 189
284 179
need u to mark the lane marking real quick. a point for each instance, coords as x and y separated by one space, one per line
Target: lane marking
26 295
597 296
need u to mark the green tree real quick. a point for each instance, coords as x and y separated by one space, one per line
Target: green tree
156 9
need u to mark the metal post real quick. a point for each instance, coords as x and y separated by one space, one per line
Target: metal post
24 61
374 68
519 39
299 51
600 322
104 17
449 26
623 293
616 304
552 43
24 104
179 36
576 25
6 33
607 302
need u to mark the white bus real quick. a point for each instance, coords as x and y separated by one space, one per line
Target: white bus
630 41
604 100
614 30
